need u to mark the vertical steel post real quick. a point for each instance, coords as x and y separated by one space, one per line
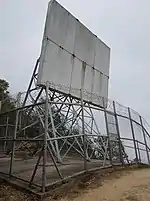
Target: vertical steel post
138 151
105 154
107 130
82 106
6 133
133 134
19 105
146 147
45 142
118 132
13 144
0 106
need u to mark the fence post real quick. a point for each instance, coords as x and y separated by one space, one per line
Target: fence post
144 140
118 132
6 133
133 134
13 144
107 130
138 151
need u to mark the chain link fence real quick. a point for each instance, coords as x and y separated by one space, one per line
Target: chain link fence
45 143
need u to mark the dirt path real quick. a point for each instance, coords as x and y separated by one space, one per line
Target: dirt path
131 186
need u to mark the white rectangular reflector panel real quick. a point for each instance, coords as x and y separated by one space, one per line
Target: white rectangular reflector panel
70 53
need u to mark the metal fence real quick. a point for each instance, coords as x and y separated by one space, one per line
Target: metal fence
46 142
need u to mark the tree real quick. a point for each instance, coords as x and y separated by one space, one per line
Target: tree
7 102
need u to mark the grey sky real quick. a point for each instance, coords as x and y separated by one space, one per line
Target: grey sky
123 25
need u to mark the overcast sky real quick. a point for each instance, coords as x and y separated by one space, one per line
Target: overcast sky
122 25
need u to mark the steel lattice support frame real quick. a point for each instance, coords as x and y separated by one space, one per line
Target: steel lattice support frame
46 105
66 124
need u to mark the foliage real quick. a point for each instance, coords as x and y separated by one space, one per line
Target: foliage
7 102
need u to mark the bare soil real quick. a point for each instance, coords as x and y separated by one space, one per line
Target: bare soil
131 184
128 186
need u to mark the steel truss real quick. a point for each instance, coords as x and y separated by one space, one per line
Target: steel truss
65 127
67 124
